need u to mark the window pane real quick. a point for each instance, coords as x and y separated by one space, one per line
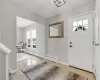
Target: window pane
85 22
33 35
34 41
75 29
34 46
28 34
74 23
80 23
29 42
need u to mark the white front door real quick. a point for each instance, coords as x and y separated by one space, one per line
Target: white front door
80 42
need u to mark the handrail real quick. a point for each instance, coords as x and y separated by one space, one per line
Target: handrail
6 51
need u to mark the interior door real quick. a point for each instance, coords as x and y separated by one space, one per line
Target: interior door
80 42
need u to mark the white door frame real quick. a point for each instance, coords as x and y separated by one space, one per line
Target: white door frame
97 38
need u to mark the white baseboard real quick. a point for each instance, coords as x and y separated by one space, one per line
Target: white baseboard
63 63
55 59
51 58
36 54
39 55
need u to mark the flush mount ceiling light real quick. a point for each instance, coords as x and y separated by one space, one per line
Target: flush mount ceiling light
59 3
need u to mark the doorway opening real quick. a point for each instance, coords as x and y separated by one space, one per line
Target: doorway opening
30 40
25 40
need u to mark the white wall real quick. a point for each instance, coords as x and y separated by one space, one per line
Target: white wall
13 10
8 13
40 38
58 47
2 26
54 47
18 35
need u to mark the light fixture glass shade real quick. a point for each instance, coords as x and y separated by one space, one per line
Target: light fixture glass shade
59 3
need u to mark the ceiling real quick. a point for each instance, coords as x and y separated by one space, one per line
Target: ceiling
21 22
47 8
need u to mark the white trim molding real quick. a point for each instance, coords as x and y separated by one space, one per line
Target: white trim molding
51 58
63 63
6 52
91 12
36 54
97 38
56 59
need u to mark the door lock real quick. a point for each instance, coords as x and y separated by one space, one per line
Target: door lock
70 46
70 42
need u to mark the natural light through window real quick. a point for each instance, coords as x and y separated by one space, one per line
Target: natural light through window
85 22
33 34
75 24
80 25
31 38
28 34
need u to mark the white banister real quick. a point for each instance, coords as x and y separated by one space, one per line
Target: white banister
6 51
